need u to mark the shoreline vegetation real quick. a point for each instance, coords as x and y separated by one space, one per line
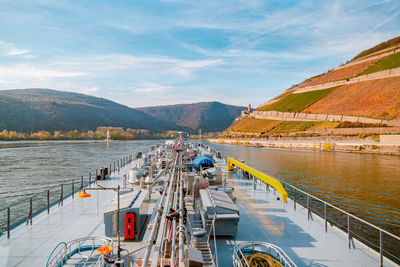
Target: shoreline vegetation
116 133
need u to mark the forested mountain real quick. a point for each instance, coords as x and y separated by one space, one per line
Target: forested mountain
43 109
208 116
27 110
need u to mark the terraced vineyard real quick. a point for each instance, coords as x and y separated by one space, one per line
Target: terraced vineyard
340 74
297 102
370 99
389 62
378 98
249 124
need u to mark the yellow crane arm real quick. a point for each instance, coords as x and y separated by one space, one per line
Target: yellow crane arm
262 176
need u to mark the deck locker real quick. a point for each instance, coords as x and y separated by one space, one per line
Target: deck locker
133 215
130 226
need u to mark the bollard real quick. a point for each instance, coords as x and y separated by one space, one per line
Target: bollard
73 190
81 182
90 179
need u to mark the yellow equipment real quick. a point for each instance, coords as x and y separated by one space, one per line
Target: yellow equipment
262 176
262 260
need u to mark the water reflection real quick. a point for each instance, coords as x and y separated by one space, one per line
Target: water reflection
29 167
365 184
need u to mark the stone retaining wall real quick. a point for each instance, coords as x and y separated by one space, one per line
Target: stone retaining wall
299 116
373 76
359 61
319 145
390 138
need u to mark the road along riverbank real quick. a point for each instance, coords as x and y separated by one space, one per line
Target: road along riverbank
383 148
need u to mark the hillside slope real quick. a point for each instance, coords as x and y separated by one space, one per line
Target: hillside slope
363 91
208 116
43 109
378 99
379 47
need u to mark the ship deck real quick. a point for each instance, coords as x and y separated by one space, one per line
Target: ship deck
31 245
262 218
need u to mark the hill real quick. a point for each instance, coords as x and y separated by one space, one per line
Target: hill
379 47
364 91
28 110
208 116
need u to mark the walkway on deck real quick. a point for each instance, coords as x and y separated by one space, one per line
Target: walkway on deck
31 245
264 218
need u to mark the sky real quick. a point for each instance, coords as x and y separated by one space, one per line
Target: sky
147 53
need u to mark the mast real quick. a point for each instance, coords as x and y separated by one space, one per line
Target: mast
108 136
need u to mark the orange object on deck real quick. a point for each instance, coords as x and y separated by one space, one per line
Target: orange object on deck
104 250
83 194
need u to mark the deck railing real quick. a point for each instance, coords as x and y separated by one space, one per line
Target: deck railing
209 226
351 224
244 249
64 251
25 209
385 243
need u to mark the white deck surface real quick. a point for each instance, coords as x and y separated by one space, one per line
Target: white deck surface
264 218
31 245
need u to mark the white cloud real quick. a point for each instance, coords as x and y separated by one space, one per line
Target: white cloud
89 90
153 88
150 66
109 65
236 47
8 49
25 71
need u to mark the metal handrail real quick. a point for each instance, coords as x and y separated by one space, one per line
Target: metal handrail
215 257
239 258
349 216
31 195
345 212
64 254
330 205
82 182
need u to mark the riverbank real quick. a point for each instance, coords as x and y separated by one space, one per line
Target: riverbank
353 146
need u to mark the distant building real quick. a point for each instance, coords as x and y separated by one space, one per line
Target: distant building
247 112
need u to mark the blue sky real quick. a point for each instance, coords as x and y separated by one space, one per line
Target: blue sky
142 53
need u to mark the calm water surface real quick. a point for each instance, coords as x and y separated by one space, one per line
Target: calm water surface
367 185
31 167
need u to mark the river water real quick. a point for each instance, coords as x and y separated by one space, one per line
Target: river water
366 185
31 167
